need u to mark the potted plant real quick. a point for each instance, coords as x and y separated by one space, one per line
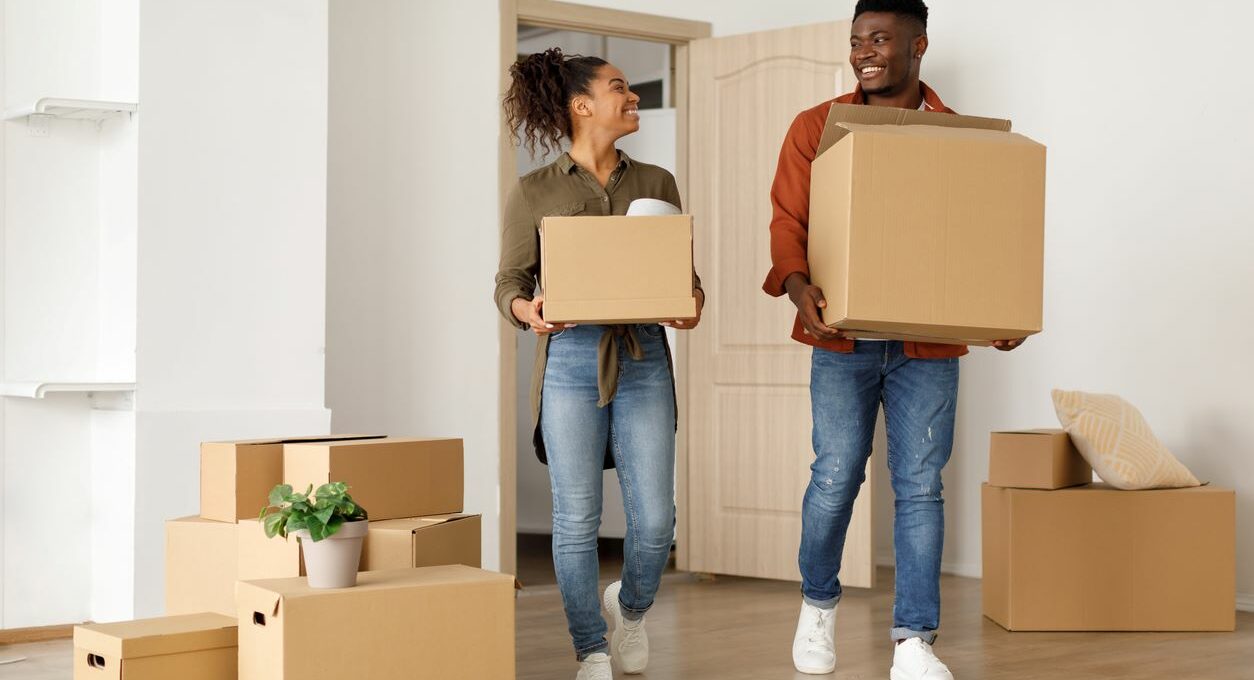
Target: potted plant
329 525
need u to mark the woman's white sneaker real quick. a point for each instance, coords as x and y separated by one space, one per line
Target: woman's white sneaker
595 667
915 660
628 642
814 645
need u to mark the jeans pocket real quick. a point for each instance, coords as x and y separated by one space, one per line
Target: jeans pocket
651 330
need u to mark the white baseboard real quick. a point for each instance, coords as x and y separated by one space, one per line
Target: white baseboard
1245 602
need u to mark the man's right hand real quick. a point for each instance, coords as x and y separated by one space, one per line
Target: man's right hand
531 312
809 301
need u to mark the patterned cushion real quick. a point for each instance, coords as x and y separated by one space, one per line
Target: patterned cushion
1113 437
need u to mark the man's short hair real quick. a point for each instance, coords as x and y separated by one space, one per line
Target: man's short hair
914 9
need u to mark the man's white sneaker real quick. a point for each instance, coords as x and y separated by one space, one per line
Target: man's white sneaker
814 645
595 667
915 660
628 642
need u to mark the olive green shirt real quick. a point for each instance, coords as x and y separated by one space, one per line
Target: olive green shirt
558 189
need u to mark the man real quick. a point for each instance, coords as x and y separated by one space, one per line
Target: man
916 382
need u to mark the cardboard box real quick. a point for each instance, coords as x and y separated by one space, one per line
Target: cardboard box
390 478
236 477
433 623
617 269
201 566
927 226
1096 558
390 544
423 542
1036 459
191 647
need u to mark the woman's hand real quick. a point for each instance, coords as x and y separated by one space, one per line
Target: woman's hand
689 324
531 312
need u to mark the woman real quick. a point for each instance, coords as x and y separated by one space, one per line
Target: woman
603 396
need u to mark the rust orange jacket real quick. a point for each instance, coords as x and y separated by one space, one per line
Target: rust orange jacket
790 202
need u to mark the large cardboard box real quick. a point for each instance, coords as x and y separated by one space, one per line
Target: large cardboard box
1096 558
390 544
190 647
201 566
423 542
617 269
433 623
927 226
390 478
236 477
1036 459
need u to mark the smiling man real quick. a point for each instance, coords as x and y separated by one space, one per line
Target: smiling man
916 382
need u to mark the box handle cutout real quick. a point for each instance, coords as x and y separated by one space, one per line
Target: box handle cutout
259 619
95 661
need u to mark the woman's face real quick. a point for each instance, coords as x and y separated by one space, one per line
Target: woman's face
612 107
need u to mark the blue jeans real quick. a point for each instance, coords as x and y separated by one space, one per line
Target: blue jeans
639 426
919 398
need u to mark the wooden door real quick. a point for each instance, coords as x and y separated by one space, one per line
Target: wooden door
748 437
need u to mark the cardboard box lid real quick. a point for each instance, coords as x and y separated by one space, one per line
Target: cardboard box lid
843 118
367 441
416 524
154 637
1051 431
275 592
294 440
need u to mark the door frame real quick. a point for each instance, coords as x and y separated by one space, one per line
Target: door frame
621 24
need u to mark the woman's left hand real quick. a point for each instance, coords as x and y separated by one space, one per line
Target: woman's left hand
689 324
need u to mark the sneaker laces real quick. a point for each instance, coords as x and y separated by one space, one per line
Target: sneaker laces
632 632
818 634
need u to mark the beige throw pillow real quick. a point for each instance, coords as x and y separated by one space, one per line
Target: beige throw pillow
1113 437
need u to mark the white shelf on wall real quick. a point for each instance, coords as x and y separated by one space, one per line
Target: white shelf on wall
73 109
39 390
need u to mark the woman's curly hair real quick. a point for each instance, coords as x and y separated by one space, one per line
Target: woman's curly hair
536 105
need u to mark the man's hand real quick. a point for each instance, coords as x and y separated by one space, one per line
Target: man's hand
809 301
689 324
1007 345
531 312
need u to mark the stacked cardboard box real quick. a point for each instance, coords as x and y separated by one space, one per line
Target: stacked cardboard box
414 482
1061 553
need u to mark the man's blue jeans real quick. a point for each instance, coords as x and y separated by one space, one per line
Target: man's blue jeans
639 426
919 398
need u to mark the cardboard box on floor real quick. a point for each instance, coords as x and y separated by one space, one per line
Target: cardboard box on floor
617 269
1036 459
236 477
927 226
190 647
201 566
1094 558
390 544
390 478
433 623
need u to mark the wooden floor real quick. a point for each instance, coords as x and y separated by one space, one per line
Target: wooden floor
741 629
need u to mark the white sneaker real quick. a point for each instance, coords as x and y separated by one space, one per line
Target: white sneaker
628 642
814 645
915 660
595 667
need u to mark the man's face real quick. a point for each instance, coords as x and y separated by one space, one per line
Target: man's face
883 48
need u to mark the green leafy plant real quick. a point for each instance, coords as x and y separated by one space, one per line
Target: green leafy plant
321 514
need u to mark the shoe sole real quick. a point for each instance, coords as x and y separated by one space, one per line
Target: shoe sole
814 670
616 613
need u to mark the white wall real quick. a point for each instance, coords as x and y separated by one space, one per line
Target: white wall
232 243
1148 221
412 334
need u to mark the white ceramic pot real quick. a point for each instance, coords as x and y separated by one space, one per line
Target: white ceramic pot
332 562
